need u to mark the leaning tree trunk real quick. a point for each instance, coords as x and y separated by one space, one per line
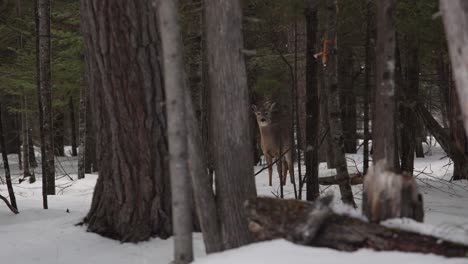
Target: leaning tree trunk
131 201
232 150
455 16
383 128
334 108
45 96
6 166
312 106
457 137
174 84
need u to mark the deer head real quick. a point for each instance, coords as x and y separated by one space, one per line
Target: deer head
263 113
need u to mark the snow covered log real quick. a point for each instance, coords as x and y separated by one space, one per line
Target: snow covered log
315 224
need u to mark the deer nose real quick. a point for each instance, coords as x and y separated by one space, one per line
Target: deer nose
263 119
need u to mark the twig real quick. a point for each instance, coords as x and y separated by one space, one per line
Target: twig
271 165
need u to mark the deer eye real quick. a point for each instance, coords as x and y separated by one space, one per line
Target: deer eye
266 114
258 113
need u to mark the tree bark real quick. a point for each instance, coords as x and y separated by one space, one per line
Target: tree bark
25 139
174 85
58 130
367 86
91 162
383 128
6 166
72 127
455 17
131 201
315 224
312 106
334 107
232 149
82 130
45 96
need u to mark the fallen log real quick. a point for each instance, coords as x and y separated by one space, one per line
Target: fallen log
315 224
354 179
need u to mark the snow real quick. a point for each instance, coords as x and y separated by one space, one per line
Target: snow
51 236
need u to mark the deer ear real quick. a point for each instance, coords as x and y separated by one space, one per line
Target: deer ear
254 108
272 106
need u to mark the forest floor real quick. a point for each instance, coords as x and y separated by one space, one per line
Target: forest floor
50 236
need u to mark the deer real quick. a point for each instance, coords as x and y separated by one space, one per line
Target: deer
276 142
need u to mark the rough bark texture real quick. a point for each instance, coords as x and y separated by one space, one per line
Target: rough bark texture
383 129
455 17
271 218
174 85
82 132
73 127
91 162
367 86
6 166
407 115
312 106
45 96
334 107
131 201
232 149
457 137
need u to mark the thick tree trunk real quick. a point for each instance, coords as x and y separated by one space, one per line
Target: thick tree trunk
232 150
174 84
334 108
457 137
312 106
315 224
91 162
348 99
45 96
383 125
131 201
82 131
455 17
72 127
6 166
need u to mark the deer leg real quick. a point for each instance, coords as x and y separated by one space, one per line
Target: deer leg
279 166
285 171
270 167
290 164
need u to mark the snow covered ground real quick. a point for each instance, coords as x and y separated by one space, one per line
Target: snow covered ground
50 236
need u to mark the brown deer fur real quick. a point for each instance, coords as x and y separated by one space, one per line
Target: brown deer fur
275 141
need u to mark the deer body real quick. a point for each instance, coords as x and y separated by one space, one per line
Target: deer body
275 143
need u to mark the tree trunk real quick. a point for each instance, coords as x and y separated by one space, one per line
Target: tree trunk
232 150
174 84
91 162
82 130
59 137
32 153
131 201
25 134
367 86
334 107
348 99
455 17
72 127
383 128
457 136
6 166
45 96
312 106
